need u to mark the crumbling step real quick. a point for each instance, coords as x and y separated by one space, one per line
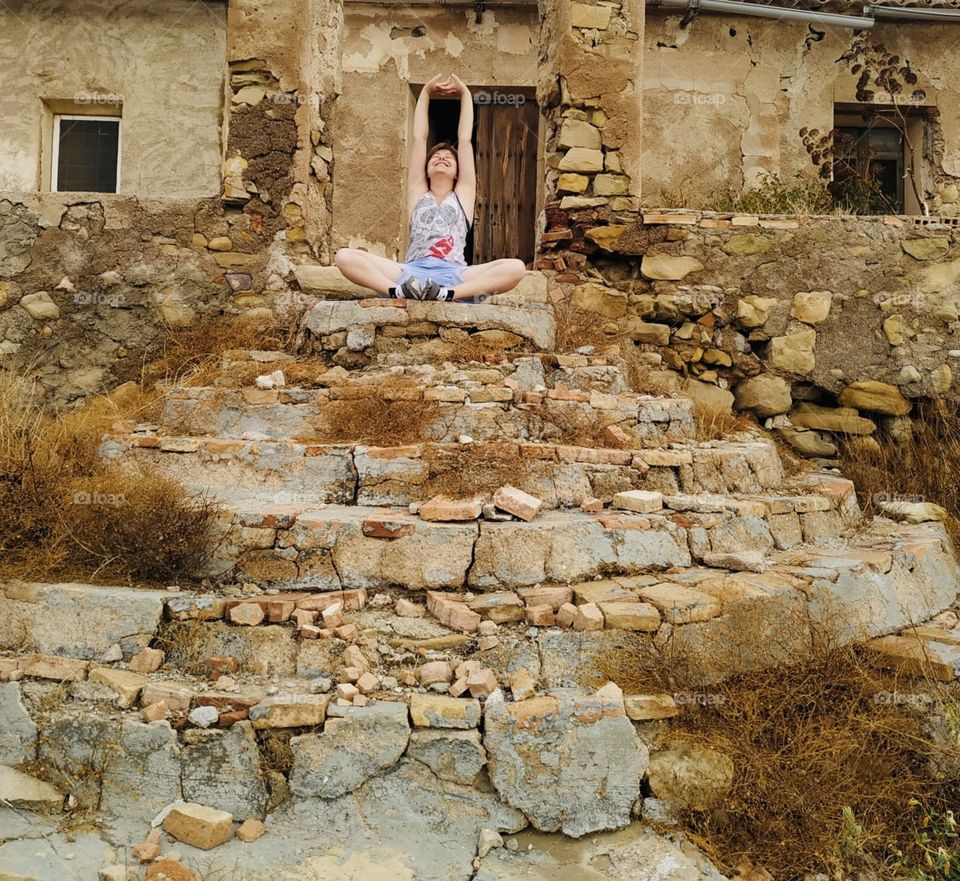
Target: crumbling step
561 476
528 373
432 414
872 584
383 325
336 546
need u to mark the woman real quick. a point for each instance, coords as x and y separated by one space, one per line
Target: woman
441 192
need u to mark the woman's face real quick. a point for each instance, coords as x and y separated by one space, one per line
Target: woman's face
442 162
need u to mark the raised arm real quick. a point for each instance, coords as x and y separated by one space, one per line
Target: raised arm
466 188
416 171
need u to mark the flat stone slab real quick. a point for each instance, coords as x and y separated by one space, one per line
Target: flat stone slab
78 620
534 324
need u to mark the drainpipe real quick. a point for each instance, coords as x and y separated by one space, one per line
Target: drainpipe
737 7
907 13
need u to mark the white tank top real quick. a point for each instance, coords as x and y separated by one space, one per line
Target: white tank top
438 230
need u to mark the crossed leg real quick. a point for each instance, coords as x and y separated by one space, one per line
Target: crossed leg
494 277
368 270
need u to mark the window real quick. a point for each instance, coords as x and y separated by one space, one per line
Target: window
878 160
86 154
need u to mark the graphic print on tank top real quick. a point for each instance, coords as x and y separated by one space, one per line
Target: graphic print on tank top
438 230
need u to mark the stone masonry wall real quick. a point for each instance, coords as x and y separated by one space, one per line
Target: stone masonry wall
780 315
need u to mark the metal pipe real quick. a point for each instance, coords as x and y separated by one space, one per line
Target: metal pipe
737 7
910 13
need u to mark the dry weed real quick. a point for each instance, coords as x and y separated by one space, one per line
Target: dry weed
576 328
713 423
65 512
464 471
920 464
377 422
831 773
192 355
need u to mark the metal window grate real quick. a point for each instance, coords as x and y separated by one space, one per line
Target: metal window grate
87 155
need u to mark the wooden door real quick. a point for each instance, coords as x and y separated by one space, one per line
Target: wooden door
506 156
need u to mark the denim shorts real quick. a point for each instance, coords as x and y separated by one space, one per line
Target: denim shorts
445 273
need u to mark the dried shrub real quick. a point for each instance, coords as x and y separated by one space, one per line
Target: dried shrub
919 464
143 528
636 371
377 422
276 754
192 355
464 471
831 773
187 644
576 328
714 423
64 512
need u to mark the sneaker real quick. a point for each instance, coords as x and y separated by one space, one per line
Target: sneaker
411 289
433 291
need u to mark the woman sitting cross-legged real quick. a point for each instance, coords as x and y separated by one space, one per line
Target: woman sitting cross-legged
441 192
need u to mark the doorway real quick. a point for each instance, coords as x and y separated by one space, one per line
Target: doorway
505 140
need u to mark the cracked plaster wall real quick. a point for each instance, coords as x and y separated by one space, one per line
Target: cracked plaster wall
165 60
741 88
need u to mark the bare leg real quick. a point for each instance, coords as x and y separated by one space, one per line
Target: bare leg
492 278
368 270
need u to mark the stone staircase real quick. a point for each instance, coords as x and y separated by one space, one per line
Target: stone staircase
368 665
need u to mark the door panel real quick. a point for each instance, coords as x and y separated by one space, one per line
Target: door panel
506 155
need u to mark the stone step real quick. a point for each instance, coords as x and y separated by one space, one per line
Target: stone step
335 547
868 585
426 414
561 476
357 331
524 372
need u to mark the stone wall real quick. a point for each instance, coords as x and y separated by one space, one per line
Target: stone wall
86 284
861 312
725 98
163 61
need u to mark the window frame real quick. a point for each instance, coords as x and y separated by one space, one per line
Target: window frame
55 157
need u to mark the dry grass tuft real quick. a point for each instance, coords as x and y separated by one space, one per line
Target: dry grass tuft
713 423
66 513
831 774
636 371
188 645
576 328
919 465
377 422
192 355
461 472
